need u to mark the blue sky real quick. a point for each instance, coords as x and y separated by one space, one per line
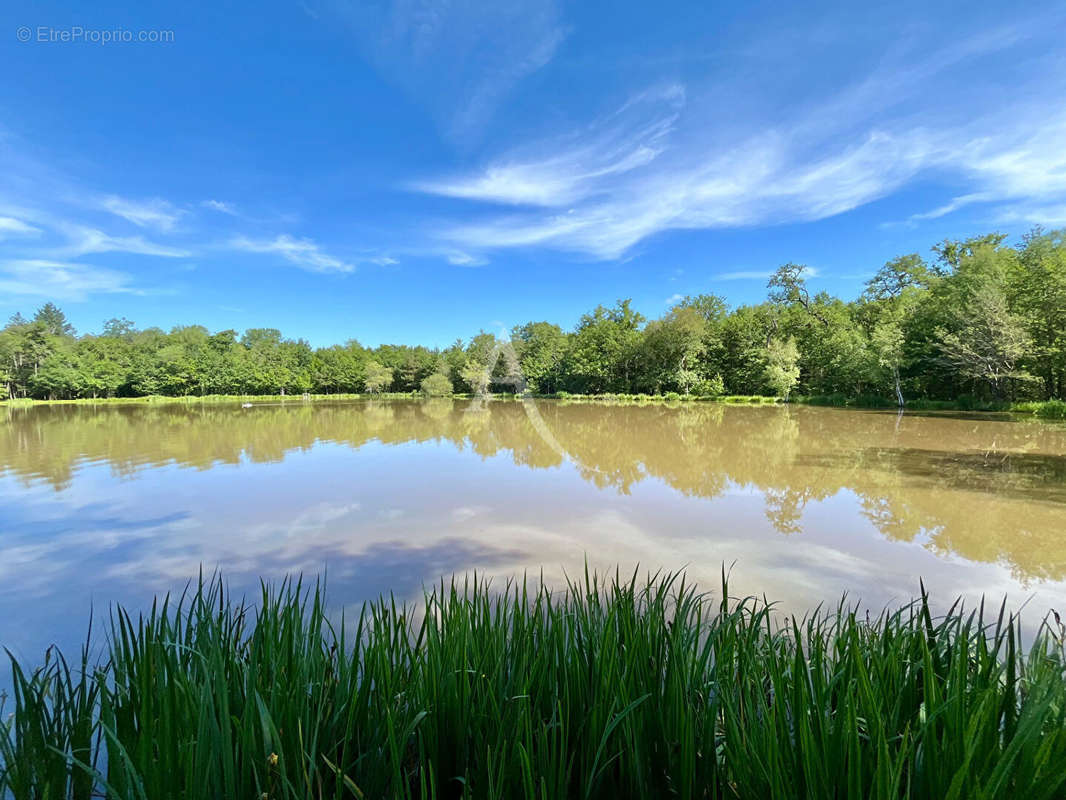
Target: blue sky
416 170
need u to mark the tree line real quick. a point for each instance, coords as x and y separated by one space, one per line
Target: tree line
980 318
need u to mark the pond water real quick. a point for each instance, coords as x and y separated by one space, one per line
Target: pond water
121 502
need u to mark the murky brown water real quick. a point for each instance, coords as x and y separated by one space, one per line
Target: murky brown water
121 502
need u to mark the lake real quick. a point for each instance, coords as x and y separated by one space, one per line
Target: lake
121 502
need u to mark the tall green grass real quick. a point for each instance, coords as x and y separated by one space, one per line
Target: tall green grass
605 689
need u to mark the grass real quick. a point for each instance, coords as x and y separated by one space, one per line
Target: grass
274 398
669 397
1047 409
606 689
195 399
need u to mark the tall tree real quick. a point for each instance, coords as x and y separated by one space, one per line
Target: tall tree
53 320
604 349
788 287
378 377
1038 288
541 348
986 341
782 370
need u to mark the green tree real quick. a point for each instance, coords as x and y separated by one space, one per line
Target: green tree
476 376
437 385
54 321
1037 287
887 342
746 334
782 370
952 252
788 287
671 350
986 341
604 349
541 349
978 339
117 327
378 377
897 276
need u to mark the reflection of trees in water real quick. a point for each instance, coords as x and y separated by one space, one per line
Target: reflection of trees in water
985 490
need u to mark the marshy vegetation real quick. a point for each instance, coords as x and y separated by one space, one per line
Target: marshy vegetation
616 688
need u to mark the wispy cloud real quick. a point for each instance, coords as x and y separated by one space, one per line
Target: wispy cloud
84 240
304 253
10 227
458 258
959 202
155 213
654 166
459 59
580 163
220 206
756 274
603 209
61 280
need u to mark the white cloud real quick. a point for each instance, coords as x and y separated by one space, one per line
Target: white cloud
459 258
60 280
1021 168
952 206
220 206
759 181
84 240
459 59
154 213
303 253
672 299
578 163
657 164
1049 215
9 226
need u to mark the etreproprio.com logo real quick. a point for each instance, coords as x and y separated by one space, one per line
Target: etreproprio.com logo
79 34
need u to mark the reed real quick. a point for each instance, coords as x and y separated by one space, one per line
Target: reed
607 688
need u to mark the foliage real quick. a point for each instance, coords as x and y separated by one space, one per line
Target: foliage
1052 409
437 385
476 376
541 348
378 377
981 318
782 372
605 689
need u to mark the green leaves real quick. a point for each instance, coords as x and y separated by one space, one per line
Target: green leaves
606 689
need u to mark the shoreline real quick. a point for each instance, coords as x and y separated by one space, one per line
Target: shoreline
1048 410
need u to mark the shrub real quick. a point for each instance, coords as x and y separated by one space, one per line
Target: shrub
1052 409
437 385
710 387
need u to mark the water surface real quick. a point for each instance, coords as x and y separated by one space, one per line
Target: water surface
118 503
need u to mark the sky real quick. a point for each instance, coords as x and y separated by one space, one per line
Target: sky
414 171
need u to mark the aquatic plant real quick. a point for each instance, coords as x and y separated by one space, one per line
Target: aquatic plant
604 689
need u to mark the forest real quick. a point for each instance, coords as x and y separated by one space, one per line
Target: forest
980 318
